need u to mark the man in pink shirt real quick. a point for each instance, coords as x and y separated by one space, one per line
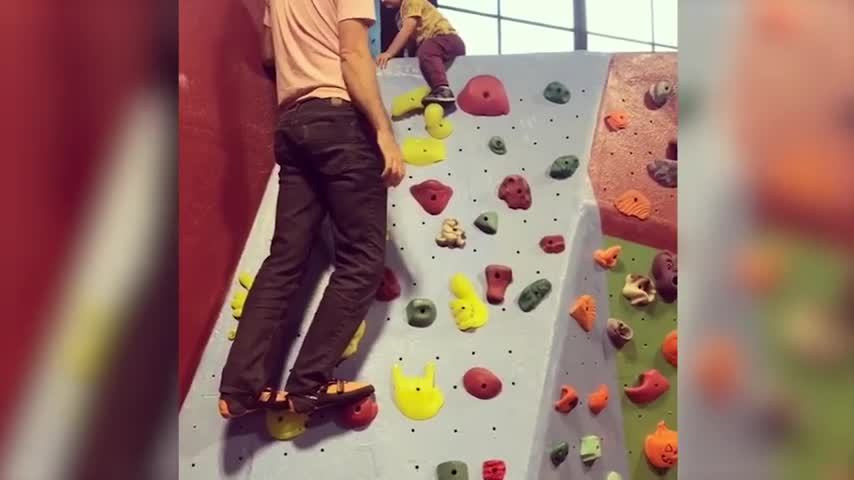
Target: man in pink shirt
337 156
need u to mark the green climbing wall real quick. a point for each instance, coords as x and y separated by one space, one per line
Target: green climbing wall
650 323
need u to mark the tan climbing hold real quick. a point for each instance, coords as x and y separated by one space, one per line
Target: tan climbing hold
584 312
639 290
452 234
633 203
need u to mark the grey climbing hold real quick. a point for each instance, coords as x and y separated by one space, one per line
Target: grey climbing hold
563 167
487 222
663 171
660 92
421 312
533 294
454 470
556 92
497 145
559 453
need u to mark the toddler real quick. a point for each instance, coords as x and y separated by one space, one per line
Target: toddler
437 41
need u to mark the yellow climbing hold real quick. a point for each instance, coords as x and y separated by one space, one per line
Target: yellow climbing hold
239 298
232 334
437 125
284 425
353 347
409 101
423 151
417 397
469 311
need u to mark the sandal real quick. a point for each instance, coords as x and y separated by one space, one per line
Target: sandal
230 406
336 393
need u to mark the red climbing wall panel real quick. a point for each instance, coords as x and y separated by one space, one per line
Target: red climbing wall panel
618 159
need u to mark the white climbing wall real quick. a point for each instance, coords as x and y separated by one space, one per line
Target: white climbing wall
533 353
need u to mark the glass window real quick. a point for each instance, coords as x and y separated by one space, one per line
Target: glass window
482 6
480 33
598 43
631 19
550 12
523 38
666 21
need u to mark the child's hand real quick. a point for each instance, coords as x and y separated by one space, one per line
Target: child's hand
382 60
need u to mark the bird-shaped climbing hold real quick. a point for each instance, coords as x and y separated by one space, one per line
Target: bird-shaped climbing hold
409 101
584 312
608 257
417 397
468 310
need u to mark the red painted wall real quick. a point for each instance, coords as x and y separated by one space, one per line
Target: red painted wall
226 115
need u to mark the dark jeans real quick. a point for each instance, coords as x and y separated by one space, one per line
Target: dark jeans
434 56
330 164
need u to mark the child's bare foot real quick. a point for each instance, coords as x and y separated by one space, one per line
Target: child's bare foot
442 95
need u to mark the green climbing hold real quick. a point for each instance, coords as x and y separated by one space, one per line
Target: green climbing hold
455 470
421 312
497 145
591 448
614 476
487 222
564 167
559 453
533 294
556 92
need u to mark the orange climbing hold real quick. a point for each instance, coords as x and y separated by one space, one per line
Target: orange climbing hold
607 258
598 400
662 447
568 399
669 347
584 312
633 203
617 120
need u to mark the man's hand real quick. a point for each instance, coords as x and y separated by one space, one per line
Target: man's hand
394 168
382 60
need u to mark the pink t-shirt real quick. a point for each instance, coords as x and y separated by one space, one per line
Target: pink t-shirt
306 45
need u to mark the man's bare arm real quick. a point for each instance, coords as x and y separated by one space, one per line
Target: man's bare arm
360 75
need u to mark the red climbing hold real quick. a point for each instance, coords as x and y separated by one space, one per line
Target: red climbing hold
359 415
498 277
553 243
652 385
516 192
484 95
389 288
494 470
482 383
432 195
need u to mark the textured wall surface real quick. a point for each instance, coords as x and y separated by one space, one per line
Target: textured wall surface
532 353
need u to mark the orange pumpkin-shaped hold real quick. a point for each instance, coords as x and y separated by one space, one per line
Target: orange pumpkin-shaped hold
662 447
669 347
617 120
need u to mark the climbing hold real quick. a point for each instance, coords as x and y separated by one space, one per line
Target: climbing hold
516 192
468 310
423 151
652 384
662 447
437 125
533 294
608 257
568 399
409 101
617 120
598 400
455 470
614 476
665 272
245 280
484 95
421 312
559 453
359 415
498 277
432 195
664 171
285 425
389 288
494 470
482 383
451 235
564 167
639 290
353 346
556 92
232 334
670 347
619 332
497 145
659 92
633 203
487 222
590 449
417 397
584 312
553 243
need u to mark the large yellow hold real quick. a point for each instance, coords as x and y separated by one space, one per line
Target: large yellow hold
417 397
468 310
423 151
409 101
